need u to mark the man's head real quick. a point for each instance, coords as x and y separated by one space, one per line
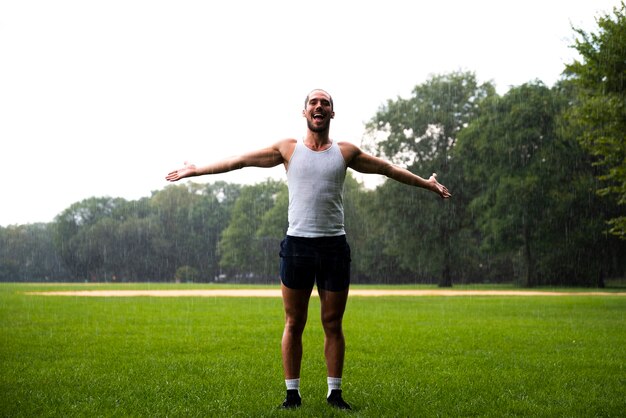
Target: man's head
318 110
306 100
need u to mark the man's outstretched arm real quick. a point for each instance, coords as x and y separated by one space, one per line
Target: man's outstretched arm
368 164
266 158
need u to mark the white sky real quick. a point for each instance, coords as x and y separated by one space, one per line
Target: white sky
104 98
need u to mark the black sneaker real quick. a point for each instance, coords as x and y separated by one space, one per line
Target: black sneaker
336 400
293 400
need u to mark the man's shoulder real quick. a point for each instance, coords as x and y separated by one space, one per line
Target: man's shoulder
286 142
348 149
286 147
347 144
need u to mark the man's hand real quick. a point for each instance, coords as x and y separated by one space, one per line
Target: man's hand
187 171
437 187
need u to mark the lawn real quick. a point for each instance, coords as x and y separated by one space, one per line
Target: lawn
406 356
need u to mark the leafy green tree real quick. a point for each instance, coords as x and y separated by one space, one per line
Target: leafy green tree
274 221
9 270
245 254
420 132
95 247
424 127
365 223
506 145
272 230
136 256
190 220
27 253
148 239
72 234
600 106
225 193
535 204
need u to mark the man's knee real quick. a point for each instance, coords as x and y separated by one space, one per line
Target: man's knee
332 323
295 323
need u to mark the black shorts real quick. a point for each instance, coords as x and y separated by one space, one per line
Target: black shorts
305 261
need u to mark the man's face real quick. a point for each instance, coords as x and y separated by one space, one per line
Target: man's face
318 111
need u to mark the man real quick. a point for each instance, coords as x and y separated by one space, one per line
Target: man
315 248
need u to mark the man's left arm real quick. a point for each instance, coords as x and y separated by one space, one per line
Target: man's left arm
368 164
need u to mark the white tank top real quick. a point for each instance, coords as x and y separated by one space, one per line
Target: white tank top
315 180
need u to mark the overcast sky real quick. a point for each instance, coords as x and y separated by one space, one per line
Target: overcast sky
104 98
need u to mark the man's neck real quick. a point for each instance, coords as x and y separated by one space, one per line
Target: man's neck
317 140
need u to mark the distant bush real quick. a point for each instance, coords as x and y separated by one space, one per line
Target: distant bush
186 274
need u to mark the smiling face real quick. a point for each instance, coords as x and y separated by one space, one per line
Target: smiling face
318 111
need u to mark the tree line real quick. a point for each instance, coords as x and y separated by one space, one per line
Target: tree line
538 179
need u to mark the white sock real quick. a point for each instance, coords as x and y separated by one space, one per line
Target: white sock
333 383
293 384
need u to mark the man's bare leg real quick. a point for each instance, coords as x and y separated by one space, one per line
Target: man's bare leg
296 303
333 308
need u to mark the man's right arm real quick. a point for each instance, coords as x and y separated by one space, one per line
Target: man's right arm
265 158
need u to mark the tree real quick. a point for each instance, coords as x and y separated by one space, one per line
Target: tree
535 204
72 234
271 231
507 142
419 133
190 220
361 230
245 254
27 253
366 222
600 106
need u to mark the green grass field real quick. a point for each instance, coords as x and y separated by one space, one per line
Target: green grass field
406 356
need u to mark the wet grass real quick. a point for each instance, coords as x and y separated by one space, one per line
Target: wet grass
406 356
